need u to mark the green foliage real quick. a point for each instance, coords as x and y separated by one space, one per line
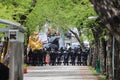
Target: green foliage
2 35
86 35
5 13
60 13
13 9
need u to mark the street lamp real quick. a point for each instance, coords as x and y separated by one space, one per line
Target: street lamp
92 17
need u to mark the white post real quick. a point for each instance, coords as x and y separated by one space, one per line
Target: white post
113 52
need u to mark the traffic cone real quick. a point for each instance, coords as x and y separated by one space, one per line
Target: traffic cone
25 68
47 59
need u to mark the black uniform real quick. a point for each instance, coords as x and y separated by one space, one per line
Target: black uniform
84 57
79 57
44 52
40 57
59 56
66 57
73 57
52 57
35 58
30 57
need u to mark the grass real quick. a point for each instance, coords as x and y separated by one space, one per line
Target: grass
102 77
92 70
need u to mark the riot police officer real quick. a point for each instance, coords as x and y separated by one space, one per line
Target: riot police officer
40 57
66 57
73 56
84 56
59 56
44 52
79 56
35 57
52 57
30 57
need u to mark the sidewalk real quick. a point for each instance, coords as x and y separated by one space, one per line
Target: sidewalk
59 73
87 74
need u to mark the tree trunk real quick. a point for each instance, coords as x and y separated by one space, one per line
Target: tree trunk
109 59
104 44
95 54
109 13
96 34
117 61
95 58
90 57
77 37
102 56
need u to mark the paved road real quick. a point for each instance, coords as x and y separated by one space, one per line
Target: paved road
59 73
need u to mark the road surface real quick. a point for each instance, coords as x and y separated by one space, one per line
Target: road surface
59 73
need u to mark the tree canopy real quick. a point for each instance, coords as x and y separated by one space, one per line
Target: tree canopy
60 13
14 9
63 13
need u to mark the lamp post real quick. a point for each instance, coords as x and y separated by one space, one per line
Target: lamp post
92 17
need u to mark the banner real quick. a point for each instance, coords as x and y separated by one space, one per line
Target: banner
43 37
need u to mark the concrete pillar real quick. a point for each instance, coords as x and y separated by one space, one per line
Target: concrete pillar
16 61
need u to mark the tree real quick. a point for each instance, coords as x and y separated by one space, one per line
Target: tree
109 12
63 14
